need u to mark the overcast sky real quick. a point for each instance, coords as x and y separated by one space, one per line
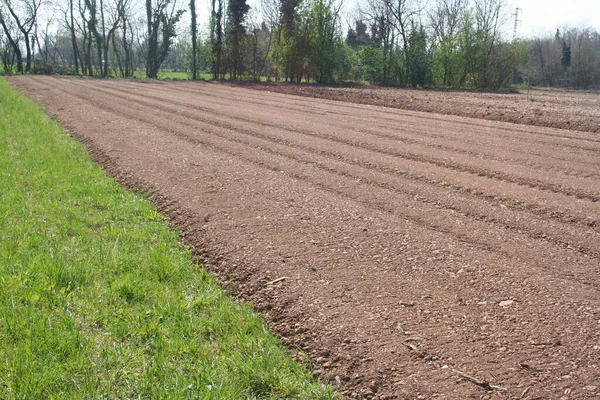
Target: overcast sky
541 17
538 17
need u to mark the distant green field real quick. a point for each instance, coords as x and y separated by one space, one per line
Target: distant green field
98 299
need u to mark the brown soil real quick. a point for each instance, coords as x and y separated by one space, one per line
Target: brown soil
411 255
549 108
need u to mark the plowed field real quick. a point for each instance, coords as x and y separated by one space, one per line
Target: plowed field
578 111
411 255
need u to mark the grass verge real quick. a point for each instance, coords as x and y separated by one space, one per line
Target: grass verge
99 300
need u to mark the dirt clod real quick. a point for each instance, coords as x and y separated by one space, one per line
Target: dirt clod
506 303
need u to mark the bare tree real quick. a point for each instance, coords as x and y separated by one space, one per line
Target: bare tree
24 13
447 21
123 45
545 61
69 23
447 17
104 19
87 38
12 39
271 18
405 14
583 68
490 16
384 34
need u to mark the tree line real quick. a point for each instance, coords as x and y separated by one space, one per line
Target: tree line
459 44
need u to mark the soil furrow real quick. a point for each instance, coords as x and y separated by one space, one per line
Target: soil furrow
584 241
355 158
427 118
554 109
394 268
416 133
440 223
474 167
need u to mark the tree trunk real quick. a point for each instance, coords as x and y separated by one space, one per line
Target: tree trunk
14 45
74 38
25 31
194 26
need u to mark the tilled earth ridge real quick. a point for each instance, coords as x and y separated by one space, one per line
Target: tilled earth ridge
411 255
549 108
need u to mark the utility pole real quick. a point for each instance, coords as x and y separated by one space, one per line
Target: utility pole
515 72
516 14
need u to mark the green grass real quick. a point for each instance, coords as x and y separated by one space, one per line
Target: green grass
4 71
185 76
97 297
173 75
182 76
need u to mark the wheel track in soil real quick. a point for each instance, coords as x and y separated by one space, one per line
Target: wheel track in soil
543 167
477 168
458 137
505 129
338 174
585 245
417 137
486 218
317 150
584 122
557 188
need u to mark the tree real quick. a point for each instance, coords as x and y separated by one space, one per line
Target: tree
447 18
87 39
358 36
289 45
352 38
272 14
24 13
384 37
104 19
545 61
584 66
258 46
449 63
490 16
418 58
70 23
236 13
323 40
446 21
404 13
123 46
565 60
216 38
371 64
194 33
162 18
13 43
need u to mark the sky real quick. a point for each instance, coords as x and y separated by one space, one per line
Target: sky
542 17
537 17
